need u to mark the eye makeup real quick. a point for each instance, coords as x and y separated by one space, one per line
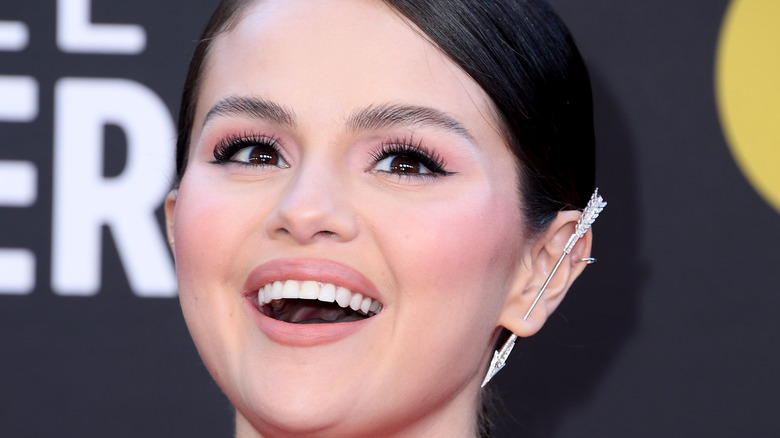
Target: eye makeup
406 157
249 149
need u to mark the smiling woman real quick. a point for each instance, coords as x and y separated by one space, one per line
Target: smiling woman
367 193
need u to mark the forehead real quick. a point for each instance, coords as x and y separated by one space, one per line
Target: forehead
333 55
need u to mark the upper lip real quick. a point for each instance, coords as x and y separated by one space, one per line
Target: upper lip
321 270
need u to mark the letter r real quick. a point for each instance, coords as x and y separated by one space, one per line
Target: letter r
85 200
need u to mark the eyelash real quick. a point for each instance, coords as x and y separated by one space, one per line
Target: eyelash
415 150
229 146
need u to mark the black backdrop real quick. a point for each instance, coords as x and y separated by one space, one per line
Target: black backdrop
672 333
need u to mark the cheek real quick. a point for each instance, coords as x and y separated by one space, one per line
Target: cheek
455 260
212 223
208 231
469 242
200 223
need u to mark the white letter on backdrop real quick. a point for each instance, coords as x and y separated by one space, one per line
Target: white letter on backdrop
18 179
14 36
77 34
85 200
18 188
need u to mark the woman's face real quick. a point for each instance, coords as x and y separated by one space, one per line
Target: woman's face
334 146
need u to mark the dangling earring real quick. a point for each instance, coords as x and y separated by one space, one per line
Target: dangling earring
588 216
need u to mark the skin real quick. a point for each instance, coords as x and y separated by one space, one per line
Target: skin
446 255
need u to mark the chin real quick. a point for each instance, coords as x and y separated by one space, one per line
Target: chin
325 399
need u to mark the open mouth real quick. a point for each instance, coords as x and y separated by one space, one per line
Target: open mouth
312 302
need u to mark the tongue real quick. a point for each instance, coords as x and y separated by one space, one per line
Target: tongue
311 312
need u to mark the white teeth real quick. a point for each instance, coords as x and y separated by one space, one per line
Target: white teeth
313 290
290 289
365 305
310 290
343 297
276 290
357 299
328 293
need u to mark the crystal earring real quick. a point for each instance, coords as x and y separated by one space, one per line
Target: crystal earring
588 216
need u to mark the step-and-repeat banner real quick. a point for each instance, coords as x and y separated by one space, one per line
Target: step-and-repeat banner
674 332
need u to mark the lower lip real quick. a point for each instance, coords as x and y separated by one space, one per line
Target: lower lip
304 335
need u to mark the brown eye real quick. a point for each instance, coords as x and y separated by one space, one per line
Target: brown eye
262 155
406 165
401 165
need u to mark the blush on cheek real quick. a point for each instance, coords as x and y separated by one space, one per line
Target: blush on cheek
205 267
465 247
202 245
481 239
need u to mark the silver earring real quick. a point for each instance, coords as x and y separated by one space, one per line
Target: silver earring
588 260
588 216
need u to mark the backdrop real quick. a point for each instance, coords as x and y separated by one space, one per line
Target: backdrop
672 333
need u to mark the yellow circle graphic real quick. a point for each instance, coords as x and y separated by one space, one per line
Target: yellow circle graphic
748 91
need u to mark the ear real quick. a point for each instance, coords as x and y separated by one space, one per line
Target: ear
538 263
170 204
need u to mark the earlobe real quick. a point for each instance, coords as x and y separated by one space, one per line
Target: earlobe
170 204
541 260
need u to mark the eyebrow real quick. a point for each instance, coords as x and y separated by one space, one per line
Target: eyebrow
389 116
253 108
370 118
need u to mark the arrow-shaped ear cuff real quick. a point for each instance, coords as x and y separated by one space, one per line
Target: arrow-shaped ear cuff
588 216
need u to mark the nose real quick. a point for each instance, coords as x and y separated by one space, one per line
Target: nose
314 205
